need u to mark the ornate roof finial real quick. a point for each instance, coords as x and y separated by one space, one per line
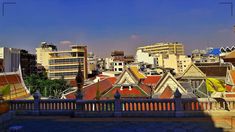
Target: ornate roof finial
177 93
80 82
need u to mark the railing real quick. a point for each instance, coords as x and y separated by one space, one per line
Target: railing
21 104
148 105
121 107
58 104
201 104
98 106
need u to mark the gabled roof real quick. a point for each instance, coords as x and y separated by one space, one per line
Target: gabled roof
152 80
230 55
168 79
201 90
167 93
230 77
193 71
89 92
135 71
134 92
130 74
18 90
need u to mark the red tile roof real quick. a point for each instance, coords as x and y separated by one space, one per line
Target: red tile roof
230 95
167 93
152 80
9 79
89 92
112 79
228 88
17 89
135 92
232 73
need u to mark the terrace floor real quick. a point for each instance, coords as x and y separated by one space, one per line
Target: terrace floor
68 124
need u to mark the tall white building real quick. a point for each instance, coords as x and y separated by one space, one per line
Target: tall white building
11 59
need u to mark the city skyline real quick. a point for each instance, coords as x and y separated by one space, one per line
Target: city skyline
117 25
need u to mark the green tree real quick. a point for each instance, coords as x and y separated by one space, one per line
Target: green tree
48 88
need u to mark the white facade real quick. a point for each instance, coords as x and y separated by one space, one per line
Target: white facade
145 57
11 59
118 66
109 63
91 61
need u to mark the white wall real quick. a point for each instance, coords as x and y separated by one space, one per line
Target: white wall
144 57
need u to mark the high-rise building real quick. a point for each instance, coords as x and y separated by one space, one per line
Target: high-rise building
164 48
65 63
11 59
43 53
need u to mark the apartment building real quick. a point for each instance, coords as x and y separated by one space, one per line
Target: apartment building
43 53
164 48
65 63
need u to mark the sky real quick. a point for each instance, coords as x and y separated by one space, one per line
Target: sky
107 25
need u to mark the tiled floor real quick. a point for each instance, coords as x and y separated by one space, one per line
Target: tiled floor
65 124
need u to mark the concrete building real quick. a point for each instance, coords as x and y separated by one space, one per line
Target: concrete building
43 53
152 59
164 48
177 62
209 55
117 61
11 59
66 63
91 60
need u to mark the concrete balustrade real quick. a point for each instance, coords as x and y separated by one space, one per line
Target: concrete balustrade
176 107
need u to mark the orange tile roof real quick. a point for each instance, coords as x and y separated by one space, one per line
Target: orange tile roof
17 89
89 92
167 93
135 92
232 73
228 88
230 95
152 80
9 79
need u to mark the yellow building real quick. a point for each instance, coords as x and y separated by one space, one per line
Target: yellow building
43 54
177 62
66 63
164 48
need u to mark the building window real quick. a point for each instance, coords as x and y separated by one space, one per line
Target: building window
115 69
120 69
120 64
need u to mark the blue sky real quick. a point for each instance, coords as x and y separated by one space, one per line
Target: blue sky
105 25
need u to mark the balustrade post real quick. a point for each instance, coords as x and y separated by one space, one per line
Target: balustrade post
37 98
178 104
117 104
